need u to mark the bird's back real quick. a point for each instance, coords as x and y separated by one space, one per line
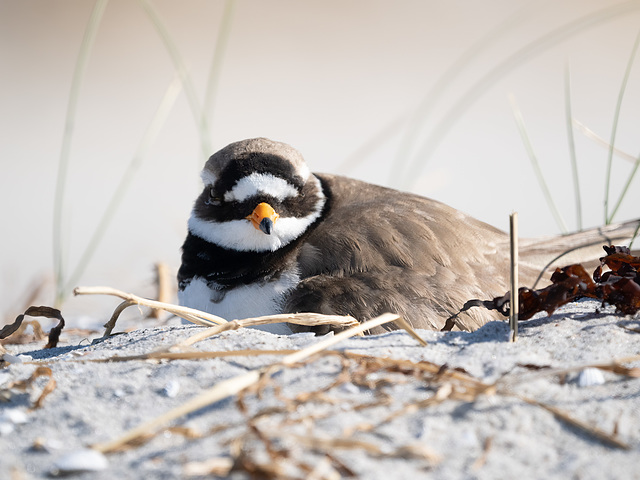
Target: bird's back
381 250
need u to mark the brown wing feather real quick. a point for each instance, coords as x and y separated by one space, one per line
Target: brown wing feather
380 250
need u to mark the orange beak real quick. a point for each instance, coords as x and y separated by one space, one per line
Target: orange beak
263 218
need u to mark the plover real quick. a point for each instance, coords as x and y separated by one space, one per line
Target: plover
267 236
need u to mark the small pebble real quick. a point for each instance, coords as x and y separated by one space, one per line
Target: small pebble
171 389
589 377
6 428
349 387
7 357
85 460
41 444
5 377
14 415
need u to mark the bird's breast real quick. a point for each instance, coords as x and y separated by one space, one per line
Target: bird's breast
259 298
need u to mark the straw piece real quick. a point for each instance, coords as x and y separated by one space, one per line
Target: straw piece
202 318
614 366
309 319
330 444
222 390
190 314
601 435
163 282
193 355
327 342
515 301
234 385
217 466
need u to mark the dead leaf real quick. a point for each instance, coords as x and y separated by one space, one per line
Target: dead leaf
43 311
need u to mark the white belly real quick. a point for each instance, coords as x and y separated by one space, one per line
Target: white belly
242 302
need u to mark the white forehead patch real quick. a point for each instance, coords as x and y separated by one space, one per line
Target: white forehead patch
260 183
208 177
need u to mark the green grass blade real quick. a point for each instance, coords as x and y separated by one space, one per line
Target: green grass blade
572 145
147 141
521 56
536 166
625 189
614 129
88 40
445 81
374 142
634 236
187 82
216 65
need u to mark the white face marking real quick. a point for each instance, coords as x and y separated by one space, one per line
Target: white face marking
260 183
242 302
303 171
241 235
208 177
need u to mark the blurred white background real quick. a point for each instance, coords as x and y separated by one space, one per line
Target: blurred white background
345 82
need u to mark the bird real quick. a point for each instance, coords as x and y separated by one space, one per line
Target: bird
267 236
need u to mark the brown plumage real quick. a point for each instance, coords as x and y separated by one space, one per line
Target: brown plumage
379 250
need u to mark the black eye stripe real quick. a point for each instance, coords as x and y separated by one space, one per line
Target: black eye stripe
300 206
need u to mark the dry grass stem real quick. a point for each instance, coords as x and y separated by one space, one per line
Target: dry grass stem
218 466
310 319
330 444
202 318
615 366
595 432
234 385
446 384
587 132
190 314
220 391
515 301
330 341
165 354
25 385
163 282
482 459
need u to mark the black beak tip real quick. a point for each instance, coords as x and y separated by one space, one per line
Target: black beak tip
266 225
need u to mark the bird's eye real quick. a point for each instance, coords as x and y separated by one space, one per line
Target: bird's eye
212 199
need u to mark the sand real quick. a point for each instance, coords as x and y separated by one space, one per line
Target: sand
337 415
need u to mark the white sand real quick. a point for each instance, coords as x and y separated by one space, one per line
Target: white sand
497 436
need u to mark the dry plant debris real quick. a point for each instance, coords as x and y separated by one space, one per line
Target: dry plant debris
271 444
278 440
27 385
202 318
282 435
273 436
164 285
619 286
234 385
47 312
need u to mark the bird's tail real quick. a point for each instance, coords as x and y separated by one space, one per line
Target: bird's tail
544 254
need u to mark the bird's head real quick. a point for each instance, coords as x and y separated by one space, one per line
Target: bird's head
258 195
